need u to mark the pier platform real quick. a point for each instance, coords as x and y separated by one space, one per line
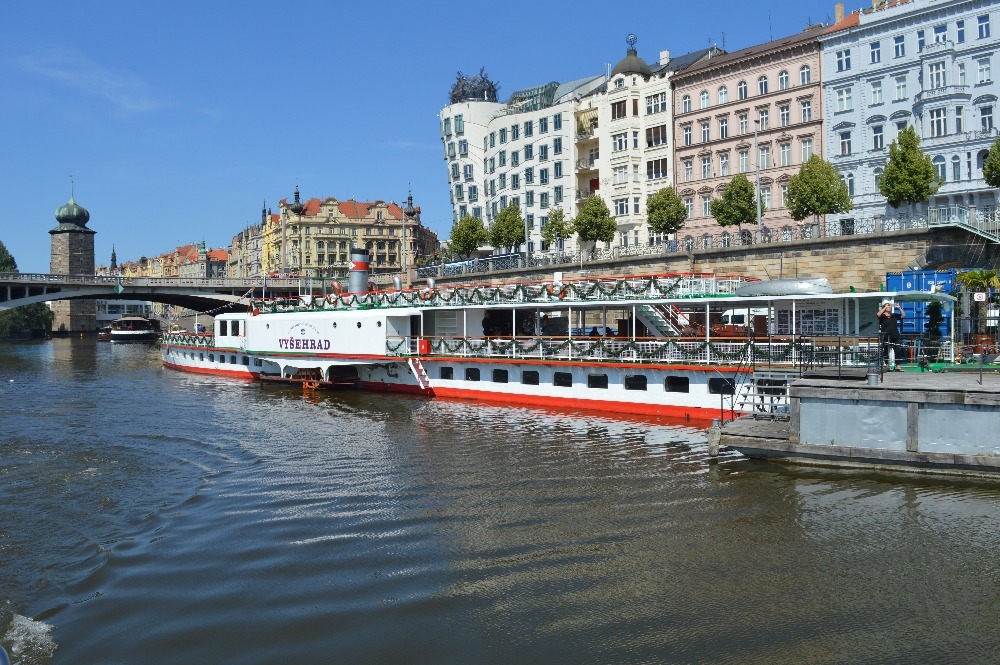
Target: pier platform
936 421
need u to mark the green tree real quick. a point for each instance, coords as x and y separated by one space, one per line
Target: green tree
35 320
557 228
666 211
909 175
467 235
817 189
737 205
594 221
991 168
507 230
982 281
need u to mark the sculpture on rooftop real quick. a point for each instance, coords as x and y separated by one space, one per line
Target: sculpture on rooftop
474 88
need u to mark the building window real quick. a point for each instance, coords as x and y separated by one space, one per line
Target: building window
877 174
706 167
807 150
876 52
783 80
762 118
543 125
960 32
657 168
744 123
723 128
845 144
937 76
805 75
807 111
744 161
704 99
898 47
940 34
543 152
621 207
959 124
956 168
786 154
705 133
843 61
984 26
463 148
706 205
937 118
619 175
529 125
529 152
844 101
900 88
939 167
687 135
656 103
459 125
619 142
765 196
688 170
762 85
515 132
983 70
557 145
876 92
723 94
724 164
543 200
764 157
656 136
785 115
961 73
878 138
920 41
557 170
741 90
689 205
686 104
557 121
503 135
986 117
784 196
515 181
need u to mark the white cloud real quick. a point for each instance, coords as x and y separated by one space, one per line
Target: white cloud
74 70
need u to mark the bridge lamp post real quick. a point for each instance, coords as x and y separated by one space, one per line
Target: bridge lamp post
756 187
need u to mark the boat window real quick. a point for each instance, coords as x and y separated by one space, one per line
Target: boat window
201 356
529 377
246 361
562 379
721 386
447 373
471 373
222 328
637 382
677 384
258 362
211 357
597 381
499 376
236 328
232 360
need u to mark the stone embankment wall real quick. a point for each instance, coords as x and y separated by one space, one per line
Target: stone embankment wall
860 261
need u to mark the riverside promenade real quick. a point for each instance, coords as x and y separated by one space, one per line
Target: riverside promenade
943 422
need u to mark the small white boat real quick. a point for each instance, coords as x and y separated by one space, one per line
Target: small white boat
134 329
795 286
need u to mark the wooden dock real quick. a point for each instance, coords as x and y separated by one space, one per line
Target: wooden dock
938 421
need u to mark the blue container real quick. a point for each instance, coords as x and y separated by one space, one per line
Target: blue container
915 321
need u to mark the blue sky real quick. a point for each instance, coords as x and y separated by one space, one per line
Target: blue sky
178 119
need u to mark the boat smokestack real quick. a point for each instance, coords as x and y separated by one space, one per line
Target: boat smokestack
357 280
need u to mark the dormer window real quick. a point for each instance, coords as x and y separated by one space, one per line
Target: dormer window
619 83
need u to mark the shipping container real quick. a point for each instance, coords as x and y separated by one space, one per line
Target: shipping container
915 319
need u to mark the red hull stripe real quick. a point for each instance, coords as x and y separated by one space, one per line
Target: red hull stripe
246 376
667 410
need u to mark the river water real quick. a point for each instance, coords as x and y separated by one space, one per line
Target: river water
150 516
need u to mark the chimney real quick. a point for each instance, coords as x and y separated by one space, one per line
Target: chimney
664 57
838 12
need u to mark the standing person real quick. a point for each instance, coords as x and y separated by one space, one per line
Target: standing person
888 329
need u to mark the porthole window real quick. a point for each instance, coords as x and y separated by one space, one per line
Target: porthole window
562 379
637 382
597 381
529 377
677 384
447 373
334 324
378 323
359 324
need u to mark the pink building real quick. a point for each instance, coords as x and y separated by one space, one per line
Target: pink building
773 88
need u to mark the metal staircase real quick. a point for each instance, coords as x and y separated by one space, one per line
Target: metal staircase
419 373
661 320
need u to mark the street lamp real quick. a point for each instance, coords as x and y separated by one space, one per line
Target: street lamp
297 208
756 187
408 214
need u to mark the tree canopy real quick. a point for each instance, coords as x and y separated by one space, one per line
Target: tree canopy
817 189
982 281
33 320
467 235
666 211
737 205
557 228
991 169
594 221
909 175
507 230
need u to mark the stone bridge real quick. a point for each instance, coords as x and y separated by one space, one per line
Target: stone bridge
18 288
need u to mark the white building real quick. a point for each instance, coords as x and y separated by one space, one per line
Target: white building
924 63
554 145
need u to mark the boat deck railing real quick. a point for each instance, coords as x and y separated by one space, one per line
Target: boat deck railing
603 289
812 352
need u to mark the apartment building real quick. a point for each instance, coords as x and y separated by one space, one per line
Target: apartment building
756 111
925 63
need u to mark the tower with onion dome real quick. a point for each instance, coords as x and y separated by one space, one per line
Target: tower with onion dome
72 254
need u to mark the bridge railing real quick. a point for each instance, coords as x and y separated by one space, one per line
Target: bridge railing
108 280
